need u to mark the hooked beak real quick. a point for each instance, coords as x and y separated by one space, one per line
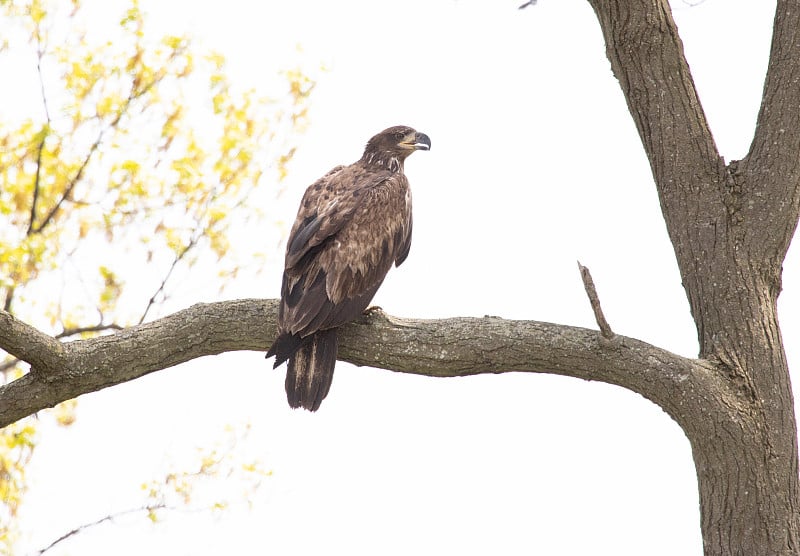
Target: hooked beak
422 142
417 142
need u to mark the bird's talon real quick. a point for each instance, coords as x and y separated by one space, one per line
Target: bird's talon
373 311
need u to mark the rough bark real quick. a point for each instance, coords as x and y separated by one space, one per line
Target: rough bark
730 226
441 348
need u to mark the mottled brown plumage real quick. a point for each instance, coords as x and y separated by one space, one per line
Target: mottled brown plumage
352 225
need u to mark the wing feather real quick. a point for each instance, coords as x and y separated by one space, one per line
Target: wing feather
404 241
353 224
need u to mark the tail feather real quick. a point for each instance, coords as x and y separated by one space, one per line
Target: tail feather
284 346
310 370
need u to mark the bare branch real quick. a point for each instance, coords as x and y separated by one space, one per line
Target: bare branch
9 299
134 94
160 289
696 190
40 51
70 186
25 342
100 521
201 230
8 365
647 58
39 57
36 182
441 348
67 332
591 291
730 226
771 170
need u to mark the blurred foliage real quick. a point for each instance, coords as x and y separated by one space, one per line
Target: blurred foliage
211 480
17 442
126 150
192 485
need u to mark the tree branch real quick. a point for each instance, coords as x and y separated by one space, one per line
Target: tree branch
133 95
646 55
8 365
70 186
160 290
36 182
9 298
440 348
43 352
694 186
594 300
95 523
39 57
74 331
772 167
730 227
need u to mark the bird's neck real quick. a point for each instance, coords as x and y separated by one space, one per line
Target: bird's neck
383 160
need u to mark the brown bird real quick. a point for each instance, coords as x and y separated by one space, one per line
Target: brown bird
353 224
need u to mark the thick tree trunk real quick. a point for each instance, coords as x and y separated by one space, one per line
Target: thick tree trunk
730 226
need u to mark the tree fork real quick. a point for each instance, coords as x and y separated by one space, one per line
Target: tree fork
746 459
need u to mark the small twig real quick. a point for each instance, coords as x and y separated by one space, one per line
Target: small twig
90 155
200 232
36 181
526 4
178 258
40 51
8 365
591 291
70 186
9 299
100 521
81 329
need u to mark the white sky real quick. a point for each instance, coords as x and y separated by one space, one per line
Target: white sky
535 164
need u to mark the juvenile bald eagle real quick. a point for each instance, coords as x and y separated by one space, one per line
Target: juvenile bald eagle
353 223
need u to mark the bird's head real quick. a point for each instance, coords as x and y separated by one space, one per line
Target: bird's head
391 147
